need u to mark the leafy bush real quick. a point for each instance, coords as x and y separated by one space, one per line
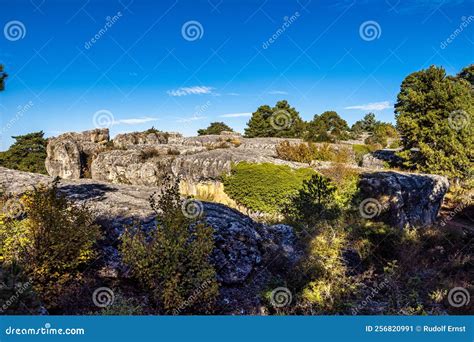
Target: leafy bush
52 243
172 261
308 152
28 153
264 187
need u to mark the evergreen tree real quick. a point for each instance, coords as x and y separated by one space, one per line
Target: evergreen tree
434 117
328 126
215 128
258 125
280 121
28 153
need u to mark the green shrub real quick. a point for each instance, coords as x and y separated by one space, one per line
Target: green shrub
172 261
264 187
308 152
314 202
51 244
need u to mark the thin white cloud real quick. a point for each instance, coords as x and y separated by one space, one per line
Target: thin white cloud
235 115
192 118
196 90
233 94
371 106
134 121
277 92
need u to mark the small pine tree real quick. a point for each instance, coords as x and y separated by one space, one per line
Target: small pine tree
215 128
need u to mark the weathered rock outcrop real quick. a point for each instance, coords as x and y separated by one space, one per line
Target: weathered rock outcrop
381 159
402 199
128 140
243 247
69 154
149 167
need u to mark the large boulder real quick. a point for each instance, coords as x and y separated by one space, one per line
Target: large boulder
402 199
69 155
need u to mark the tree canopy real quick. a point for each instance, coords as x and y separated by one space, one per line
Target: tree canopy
434 116
280 121
328 126
215 128
28 153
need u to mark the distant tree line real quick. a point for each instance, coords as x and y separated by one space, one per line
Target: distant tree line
284 121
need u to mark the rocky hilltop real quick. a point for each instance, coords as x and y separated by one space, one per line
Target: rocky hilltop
146 158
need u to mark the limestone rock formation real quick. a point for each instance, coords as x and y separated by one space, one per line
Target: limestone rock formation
69 155
402 199
127 140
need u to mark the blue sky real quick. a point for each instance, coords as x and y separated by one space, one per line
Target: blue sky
178 65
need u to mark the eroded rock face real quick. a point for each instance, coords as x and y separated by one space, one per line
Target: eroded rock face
68 155
403 199
128 140
191 163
